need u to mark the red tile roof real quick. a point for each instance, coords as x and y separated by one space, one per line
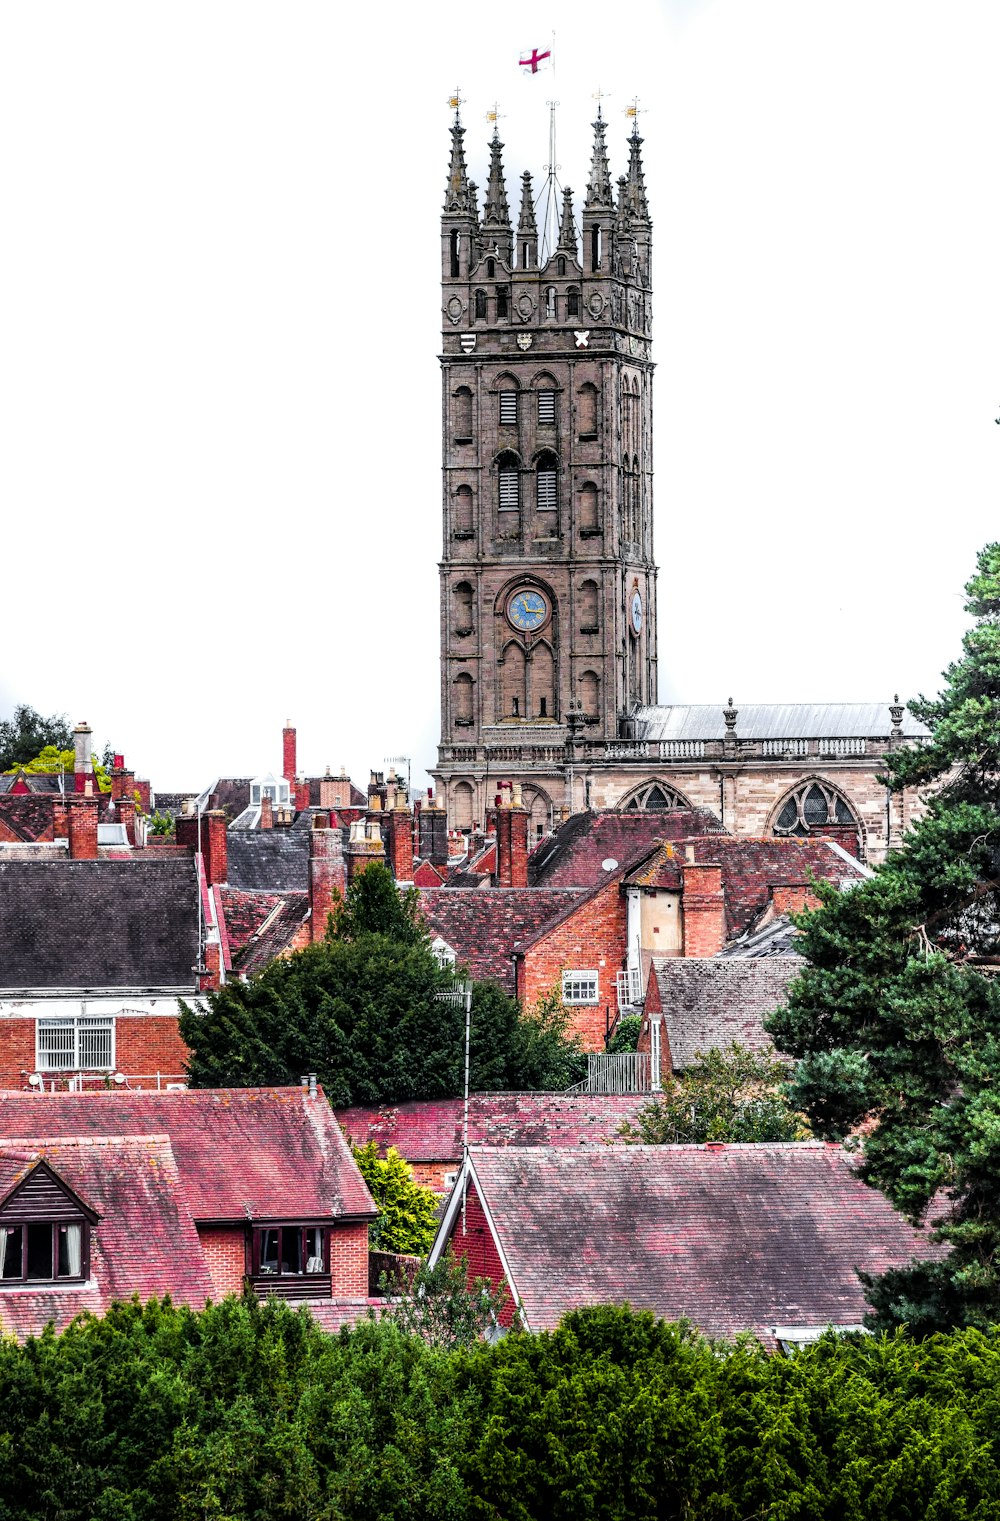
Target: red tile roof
260 925
739 1238
485 925
574 855
261 1153
431 1130
145 1241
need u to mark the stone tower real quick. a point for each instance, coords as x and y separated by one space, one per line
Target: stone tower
548 587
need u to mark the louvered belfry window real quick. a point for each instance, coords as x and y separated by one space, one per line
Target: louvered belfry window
509 495
508 409
546 488
547 409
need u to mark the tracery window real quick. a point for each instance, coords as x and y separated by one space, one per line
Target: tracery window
812 807
654 797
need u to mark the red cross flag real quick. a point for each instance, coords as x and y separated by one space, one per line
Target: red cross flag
532 61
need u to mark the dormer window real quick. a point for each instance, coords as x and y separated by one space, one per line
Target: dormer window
44 1231
290 1256
274 787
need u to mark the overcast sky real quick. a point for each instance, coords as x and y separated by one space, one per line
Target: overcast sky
220 319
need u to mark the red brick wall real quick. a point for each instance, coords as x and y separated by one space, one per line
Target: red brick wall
349 1261
476 1244
17 1051
704 909
82 827
793 898
144 1045
592 933
225 1249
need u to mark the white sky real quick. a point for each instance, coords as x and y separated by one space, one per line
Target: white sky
219 328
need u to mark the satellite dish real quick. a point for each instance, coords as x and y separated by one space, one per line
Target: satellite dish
35 1080
609 864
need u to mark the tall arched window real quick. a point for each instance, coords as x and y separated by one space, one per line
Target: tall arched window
561 267
550 302
588 511
462 603
595 248
462 806
589 688
816 807
480 305
491 269
456 268
572 302
461 703
462 525
543 696
587 410
503 299
513 683
509 491
546 483
589 608
463 415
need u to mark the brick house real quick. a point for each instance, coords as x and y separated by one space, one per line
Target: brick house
193 1194
766 1238
428 1132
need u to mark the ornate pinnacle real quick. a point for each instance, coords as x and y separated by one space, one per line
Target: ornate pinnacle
599 186
496 213
567 227
456 194
527 227
633 201
730 714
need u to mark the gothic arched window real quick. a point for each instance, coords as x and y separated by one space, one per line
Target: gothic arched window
550 302
480 305
546 483
513 683
509 480
813 807
653 797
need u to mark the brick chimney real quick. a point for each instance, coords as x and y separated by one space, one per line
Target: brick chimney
125 813
212 975
703 906
288 766
432 842
83 755
301 795
401 839
512 838
81 808
326 877
266 813
792 897
214 846
365 845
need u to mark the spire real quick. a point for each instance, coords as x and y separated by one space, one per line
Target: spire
456 194
567 227
599 184
635 186
496 214
527 227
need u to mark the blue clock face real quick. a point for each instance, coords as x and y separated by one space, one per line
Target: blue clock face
527 610
636 613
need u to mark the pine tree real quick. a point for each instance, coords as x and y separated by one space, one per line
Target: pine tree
896 1020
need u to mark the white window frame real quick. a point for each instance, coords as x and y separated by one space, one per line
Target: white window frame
442 952
73 1025
581 987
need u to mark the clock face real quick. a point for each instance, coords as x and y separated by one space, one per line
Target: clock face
636 613
527 610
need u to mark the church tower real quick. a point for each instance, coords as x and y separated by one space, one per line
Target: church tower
548 587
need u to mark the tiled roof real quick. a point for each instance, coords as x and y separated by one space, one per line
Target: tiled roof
751 866
715 1000
245 913
485 925
269 860
28 817
145 1241
574 855
231 793
431 1130
741 1238
777 937
261 1153
277 935
98 924
774 720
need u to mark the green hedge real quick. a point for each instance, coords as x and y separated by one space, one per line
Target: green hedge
248 1410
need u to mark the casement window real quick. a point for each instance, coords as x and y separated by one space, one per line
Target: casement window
44 1251
547 409
510 495
78 1043
579 987
508 409
290 1251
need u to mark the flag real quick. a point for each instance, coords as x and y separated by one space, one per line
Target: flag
533 60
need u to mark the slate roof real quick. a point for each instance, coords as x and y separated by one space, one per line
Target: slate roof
145 1241
98 924
573 856
739 1238
774 720
485 926
276 933
274 1152
269 860
431 1130
775 938
712 1001
27 816
751 866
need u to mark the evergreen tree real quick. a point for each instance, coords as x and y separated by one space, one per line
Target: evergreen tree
731 1095
26 733
407 1219
895 1022
374 906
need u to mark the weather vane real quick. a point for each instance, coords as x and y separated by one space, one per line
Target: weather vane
493 116
600 95
632 113
455 100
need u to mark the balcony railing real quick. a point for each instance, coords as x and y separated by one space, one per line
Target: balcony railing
617 1072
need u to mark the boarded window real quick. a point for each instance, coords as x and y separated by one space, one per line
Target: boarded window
589 616
462 698
587 411
463 608
590 687
463 415
589 521
463 513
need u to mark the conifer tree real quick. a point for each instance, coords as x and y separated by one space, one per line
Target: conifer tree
896 1019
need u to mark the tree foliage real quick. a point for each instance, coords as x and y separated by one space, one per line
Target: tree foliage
50 760
26 733
407 1218
725 1095
374 906
156 1413
895 1026
361 1010
442 1306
